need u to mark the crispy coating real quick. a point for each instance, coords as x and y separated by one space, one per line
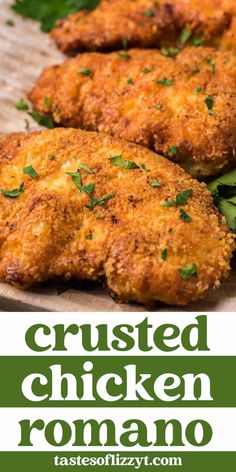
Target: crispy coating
143 23
190 119
131 241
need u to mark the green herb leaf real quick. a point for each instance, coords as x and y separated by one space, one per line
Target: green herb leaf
188 272
124 55
94 202
149 13
48 12
209 101
76 177
158 106
89 236
42 120
146 70
212 64
184 37
181 199
15 192
85 71
90 171
195 70
10 23
120 162
169 51
22 105
89 189
47 101
164 254
198 89
31 172
173 150
52 157
197 42
130 81
164 81
184 216
155 183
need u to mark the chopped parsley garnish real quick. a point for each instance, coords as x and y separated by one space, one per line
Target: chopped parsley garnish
211 63
146 70
197 42
10 23
124 55
184 216
29 170
164 254
158 106
89 236
47 101
42 120
195 70
185 35
120 162
130 81
164 81
149 13
90 171
209 102
181 199
15 192
52 157
188 272
99 202
49 12
144 168
155 183
173 150
85 71
76 177
89 189
22 105
198 89
169 51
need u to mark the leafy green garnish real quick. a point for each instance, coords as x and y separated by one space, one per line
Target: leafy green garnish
164 254
130 81
52 157
149 13
76 177
181 199
169 51
29 170
184 216
85 71
155 183
209 102
173 150
89 236
47 101
120 162
158 106
223 191
184 37
15 192
124 55
100 201
198 89
42 120
10 23
90 171
197 42
164 81
195 70
22 105
211 63
188 272
146 70
48 12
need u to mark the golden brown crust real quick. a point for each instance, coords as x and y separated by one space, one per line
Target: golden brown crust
48 232
121 97
144 23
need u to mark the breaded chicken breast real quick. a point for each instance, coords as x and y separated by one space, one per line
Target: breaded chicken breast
143 23
182 107
83 205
